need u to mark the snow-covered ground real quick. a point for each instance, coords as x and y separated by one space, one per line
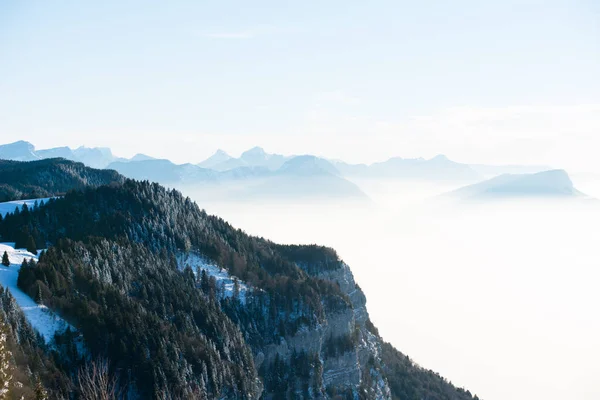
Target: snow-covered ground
225 282
39 316
10 206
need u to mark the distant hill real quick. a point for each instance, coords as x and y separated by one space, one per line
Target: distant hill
141 157
308 166
56 152
164 171
50 177
552 184
439 168
306 177
495 170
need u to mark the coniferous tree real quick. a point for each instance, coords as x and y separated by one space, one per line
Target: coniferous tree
5 259
236 288
38 296
31 247
204 282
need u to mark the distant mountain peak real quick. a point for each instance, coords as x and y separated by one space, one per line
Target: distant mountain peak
552 183
255 150
309 165
440 157
254 155
19 151
141 157
23 143
219 157
105 151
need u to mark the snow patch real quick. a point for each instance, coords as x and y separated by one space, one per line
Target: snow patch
225 282
9 206
44 320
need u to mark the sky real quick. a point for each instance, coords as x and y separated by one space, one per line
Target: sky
480 81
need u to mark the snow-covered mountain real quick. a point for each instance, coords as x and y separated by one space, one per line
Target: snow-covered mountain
550 184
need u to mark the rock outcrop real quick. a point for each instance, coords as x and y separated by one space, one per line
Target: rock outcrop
348 351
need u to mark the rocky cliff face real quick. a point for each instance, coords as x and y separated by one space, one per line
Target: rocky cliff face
344 354
359 368
349 353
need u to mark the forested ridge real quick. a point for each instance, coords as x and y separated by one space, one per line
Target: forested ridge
49 177
110 270
165 329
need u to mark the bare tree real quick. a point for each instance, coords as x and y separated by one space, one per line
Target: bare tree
95 382
5 367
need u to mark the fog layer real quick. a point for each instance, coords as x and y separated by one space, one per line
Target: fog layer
498 297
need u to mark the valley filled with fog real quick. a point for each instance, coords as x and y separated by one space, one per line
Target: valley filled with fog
497 296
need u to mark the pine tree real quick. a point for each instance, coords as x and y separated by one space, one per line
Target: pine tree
236 288
204 282
31 247
38 296
5 259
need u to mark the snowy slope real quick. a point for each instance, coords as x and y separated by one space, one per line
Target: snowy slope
40 317
225 282
10 206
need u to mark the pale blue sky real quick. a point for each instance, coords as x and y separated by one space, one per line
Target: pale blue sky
350 79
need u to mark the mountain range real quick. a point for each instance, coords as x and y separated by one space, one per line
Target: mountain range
439 168
255 157
436 168
302 177
258 175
